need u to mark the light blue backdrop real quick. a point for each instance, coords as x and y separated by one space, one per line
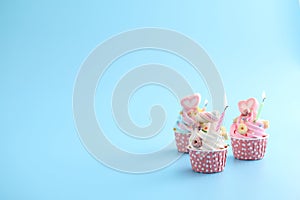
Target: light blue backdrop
254 44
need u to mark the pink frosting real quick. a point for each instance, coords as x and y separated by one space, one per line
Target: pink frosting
187 119
255 128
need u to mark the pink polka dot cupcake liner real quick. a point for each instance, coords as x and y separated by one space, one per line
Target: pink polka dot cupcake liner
182 141
249 148
208 161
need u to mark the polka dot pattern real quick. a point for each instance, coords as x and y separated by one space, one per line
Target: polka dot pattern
182 141
208 161
252 149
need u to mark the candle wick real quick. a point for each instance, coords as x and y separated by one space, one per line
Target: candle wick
205 103
225 108
264 99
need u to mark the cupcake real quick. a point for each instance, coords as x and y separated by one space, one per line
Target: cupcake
207 145
248 136
188 120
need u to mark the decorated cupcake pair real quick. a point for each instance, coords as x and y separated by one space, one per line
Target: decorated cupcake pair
200 133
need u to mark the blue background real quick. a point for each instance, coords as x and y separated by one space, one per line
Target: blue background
254 44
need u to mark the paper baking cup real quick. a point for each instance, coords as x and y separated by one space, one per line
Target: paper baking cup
249 148
208 161
182 141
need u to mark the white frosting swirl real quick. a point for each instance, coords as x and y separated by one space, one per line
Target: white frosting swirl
210 140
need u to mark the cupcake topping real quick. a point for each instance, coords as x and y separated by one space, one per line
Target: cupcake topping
209 137
246 125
